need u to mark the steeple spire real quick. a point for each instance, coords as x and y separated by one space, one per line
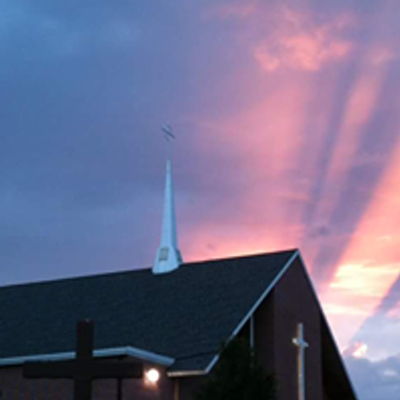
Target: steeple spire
168 255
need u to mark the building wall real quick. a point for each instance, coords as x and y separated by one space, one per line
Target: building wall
265 334
294 302
14 387
276 319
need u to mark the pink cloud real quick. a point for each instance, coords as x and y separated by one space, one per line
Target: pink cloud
299 42
267 61
381 55
356 349
310 52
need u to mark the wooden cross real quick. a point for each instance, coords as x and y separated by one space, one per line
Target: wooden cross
301 344
83 369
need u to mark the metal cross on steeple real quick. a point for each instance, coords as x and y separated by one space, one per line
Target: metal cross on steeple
301 344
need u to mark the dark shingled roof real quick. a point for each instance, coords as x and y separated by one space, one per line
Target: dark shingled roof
185 314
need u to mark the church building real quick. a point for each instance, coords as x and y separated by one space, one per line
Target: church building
173 319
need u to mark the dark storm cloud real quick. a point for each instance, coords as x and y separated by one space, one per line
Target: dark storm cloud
83 95
85 88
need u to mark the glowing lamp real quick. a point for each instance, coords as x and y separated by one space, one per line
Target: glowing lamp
152 376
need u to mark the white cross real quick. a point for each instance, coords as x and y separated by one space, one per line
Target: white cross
301 344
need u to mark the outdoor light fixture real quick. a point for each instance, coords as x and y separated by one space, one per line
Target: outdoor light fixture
153 376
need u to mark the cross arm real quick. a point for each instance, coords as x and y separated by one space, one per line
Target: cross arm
116 370
86 369
300 342
43 369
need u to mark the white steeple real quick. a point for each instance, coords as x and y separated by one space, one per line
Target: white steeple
168 255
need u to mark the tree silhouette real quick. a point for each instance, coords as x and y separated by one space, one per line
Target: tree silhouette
238 376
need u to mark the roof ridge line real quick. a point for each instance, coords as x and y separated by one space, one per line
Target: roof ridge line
146 269
74 278
240 257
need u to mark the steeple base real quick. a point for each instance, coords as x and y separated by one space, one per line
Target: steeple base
167 260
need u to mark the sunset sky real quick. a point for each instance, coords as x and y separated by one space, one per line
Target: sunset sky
288 135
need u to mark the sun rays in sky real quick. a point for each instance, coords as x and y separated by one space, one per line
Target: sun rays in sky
314 153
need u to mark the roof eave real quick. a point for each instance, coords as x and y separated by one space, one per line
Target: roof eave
128 351
183 374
